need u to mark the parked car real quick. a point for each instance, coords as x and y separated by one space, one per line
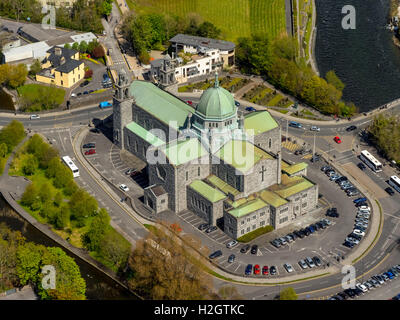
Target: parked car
283 241
310 262
303 264
237 103
123 187
89 145
337 139
288 267
83 84
360 200
276 243
189 102
361 166
272 270
254 249
359 232
360 204
317 261
390 191
231 244
90 151
95 130
249 269
128 172
245 248
215 254
265 270
256 269
211 229
203 226
250 109
289 238
348 244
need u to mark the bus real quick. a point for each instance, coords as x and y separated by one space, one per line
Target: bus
371 161
75 171
394 181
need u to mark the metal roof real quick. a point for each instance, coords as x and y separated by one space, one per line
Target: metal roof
291 185
203 42
207 191
294 168
222 185
144 134
160 104
259 122
180 152
247 208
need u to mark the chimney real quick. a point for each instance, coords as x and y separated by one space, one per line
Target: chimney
57 51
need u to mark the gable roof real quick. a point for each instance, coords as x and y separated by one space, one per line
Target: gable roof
160 104
247 208
180 152
144 134
208 192
203 42
291 185
294 168
259 122
69 65
241 154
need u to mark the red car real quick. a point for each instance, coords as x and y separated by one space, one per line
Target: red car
256 269
337 139
189 102
90 151
265 270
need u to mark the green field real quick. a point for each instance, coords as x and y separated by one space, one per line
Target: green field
236 18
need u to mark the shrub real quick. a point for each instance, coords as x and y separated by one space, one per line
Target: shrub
256 233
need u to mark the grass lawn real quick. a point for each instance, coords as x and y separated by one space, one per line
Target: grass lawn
254 234
41 97
274 101
236 18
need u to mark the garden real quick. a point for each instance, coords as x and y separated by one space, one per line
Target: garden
229 83
265 96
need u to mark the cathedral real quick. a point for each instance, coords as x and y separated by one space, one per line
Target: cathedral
211 159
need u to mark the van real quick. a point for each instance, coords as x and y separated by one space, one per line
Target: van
295 124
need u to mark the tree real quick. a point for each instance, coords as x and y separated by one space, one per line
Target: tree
162 270
3 150
288 294
12 134
334 80
58 199
62 217
97 230
98 52
69 283
28 262
114 249
67 46
88 74
30 195
30 165
35 68
83 47
82 206
106 8
208 30
75 46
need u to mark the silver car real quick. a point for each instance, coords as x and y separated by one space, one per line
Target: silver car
303 264
315 128
288 267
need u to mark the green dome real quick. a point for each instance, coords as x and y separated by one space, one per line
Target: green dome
216 103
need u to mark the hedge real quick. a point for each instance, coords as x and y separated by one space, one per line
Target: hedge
254 234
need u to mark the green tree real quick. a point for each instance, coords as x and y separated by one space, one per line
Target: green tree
288 294
67 46
69 283
3 150
97 230
28 262
35 68
82 206
75 46
12 134
58 199
106 7
334 80
30 166
62 218
208 30
83 47
115 249
30 195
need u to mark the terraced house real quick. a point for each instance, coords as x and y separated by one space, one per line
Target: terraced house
224 166
61 67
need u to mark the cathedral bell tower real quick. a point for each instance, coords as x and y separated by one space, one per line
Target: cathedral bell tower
122 108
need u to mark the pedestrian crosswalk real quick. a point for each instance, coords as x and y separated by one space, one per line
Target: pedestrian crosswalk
290 145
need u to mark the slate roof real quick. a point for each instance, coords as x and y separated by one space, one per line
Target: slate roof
69 65
203 42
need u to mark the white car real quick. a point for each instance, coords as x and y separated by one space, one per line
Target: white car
359 232
315 128
123 187
231 244
303 264
73 94
364 208
288 267
34 116
362 287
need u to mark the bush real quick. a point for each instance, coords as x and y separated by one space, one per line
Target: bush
254 234
88 73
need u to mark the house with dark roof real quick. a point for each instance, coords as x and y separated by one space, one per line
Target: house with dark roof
61 67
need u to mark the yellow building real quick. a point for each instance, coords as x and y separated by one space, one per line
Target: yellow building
61 67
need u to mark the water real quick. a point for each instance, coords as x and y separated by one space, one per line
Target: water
365 59
98 286
6 102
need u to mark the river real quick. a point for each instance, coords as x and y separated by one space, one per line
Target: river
365 59
98 286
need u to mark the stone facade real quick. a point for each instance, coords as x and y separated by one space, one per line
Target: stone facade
156 198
